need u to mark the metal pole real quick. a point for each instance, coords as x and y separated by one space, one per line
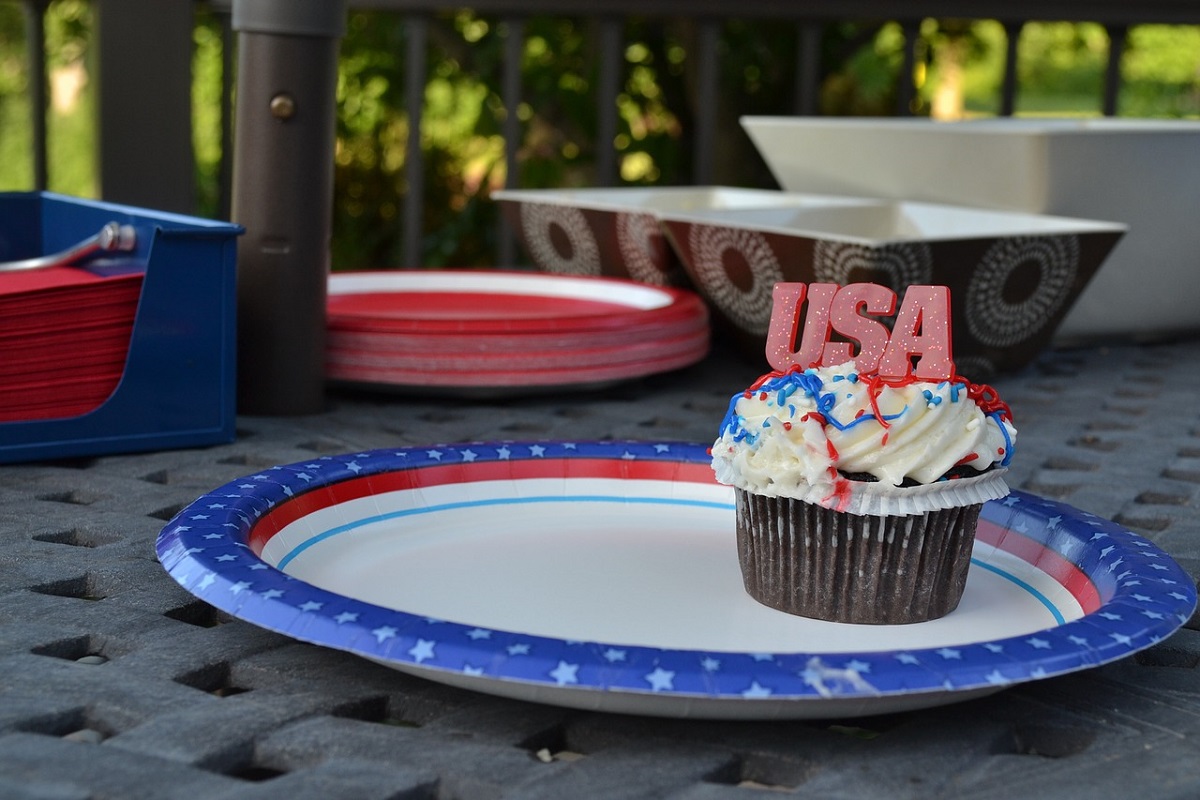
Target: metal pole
35 35
283 195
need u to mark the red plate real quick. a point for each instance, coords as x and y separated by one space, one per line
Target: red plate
458 301
510 344
517 362
522 381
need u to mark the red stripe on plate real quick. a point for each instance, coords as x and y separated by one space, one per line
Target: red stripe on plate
1031 551
471 472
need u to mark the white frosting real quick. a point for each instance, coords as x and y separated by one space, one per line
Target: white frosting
793 436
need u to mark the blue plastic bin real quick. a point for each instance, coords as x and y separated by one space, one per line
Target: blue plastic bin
178 386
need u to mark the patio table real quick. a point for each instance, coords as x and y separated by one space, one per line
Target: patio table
117 683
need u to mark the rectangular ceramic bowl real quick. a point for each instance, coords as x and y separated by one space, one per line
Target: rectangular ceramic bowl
1143 173
616 232
1013 276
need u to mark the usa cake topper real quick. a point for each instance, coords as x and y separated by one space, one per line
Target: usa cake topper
813 313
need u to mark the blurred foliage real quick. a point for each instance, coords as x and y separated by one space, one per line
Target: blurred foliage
1060 70
70 128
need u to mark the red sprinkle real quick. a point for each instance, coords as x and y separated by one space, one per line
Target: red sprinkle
787 426
969 457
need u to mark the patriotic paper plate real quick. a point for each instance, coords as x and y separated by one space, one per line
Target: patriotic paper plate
603 576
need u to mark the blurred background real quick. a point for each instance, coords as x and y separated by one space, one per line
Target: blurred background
957 71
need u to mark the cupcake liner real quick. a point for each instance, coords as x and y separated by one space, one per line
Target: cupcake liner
812 561
875 498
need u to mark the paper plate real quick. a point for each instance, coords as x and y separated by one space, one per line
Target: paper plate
556 358
603 576
526 380
460 301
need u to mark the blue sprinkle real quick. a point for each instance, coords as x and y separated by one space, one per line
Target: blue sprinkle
853 377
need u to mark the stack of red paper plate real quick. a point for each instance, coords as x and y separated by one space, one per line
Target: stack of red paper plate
511 331
64 336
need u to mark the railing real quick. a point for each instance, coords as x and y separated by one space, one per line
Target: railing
144 74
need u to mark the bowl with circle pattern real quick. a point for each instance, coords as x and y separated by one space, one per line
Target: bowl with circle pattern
1013 276
616 231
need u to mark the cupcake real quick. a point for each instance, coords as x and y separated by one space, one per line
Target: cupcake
858 496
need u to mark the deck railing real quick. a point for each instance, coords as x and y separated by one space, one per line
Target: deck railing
144 48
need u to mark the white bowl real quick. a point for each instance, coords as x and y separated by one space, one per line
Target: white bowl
1144 173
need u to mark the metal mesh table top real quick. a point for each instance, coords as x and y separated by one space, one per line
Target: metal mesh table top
115 682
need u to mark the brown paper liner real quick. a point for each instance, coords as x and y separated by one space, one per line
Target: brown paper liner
814 562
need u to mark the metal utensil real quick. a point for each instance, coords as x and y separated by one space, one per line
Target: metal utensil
113 237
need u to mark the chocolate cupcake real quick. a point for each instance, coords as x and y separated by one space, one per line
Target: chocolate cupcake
858 498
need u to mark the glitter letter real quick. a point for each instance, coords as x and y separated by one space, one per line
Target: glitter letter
787 300
816 325
922 329
847 319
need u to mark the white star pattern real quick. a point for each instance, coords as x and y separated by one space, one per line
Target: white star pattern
518 649
537 451
271 594
311 605
422 650
756 691
661 679
206 581
478 633
468 456
436 455
858 666
345 616
710 664
662 448
354 467
1038 644
1121 638
949 653
565 673
239 587
613 655
474 672
226 557
503 453
995 678
907 658
383 633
